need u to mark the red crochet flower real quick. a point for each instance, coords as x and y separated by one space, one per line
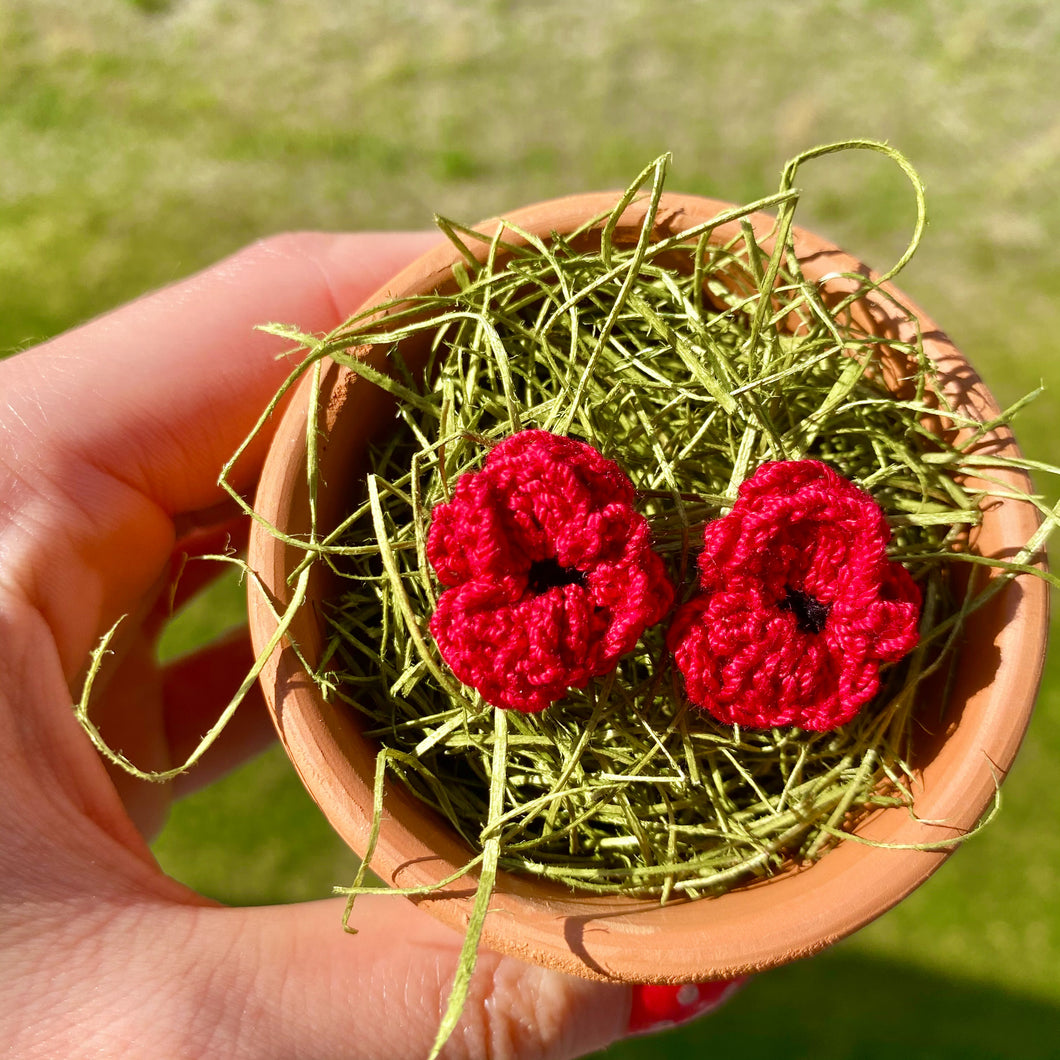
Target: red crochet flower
550 571
799 603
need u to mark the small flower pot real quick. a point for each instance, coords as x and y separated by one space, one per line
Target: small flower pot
752 927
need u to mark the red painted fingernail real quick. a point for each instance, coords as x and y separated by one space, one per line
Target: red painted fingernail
656 1007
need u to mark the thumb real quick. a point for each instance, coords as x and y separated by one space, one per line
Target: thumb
311 990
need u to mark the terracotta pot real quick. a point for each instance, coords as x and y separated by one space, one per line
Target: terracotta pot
753 927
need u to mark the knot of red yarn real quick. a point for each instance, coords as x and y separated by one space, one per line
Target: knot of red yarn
798 604
549 569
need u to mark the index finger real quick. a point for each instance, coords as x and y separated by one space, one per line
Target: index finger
161 391
111 430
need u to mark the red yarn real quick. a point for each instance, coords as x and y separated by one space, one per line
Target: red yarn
550 571
798 606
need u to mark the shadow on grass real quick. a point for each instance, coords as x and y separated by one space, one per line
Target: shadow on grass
843 1006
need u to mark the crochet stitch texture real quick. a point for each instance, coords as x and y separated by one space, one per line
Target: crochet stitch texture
798 604
549 569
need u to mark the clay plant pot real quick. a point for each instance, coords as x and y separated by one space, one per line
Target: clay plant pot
748 929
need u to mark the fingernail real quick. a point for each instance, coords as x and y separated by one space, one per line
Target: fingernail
656 1007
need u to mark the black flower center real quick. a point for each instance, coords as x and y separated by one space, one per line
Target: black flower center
810 613
547 574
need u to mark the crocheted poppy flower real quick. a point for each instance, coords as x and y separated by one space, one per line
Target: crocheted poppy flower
799 605
550 573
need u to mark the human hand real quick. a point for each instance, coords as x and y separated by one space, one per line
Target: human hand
112 439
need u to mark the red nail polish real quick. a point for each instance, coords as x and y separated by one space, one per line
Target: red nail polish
658 1006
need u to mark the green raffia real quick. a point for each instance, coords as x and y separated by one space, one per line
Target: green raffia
116 757
689 379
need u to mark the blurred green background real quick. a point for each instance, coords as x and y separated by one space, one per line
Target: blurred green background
142 140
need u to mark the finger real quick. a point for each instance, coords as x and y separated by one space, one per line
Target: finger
161 391
383 992
118 426
195 690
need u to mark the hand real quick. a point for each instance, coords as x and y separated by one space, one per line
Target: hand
113 436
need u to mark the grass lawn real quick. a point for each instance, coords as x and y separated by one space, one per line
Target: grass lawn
142 140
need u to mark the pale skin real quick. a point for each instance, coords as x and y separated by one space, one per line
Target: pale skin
111 440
